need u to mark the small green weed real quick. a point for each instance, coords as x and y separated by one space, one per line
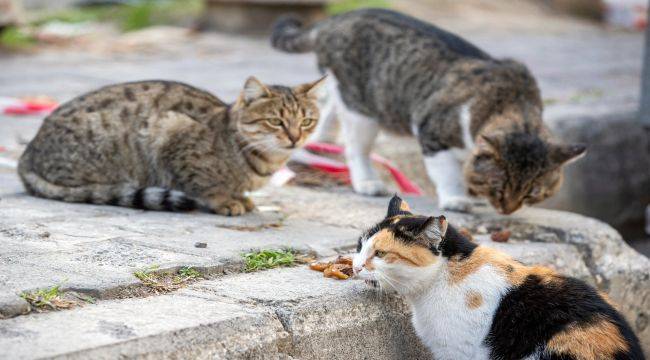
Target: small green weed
16 38
166 281
128 17
48 299
342 6
268 259
189 273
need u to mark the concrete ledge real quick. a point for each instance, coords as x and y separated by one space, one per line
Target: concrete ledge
285 313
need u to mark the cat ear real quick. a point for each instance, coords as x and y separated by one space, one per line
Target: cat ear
397 206
562 154
254 89
311 89
494 140
434 230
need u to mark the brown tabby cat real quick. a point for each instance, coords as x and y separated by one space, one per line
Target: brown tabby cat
164 145
478 119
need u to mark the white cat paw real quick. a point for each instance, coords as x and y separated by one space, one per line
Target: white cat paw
370 187
456 203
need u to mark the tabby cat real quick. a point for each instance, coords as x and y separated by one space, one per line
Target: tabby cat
164 145
478 119
472 302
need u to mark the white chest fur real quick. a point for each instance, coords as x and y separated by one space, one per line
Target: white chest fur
445 322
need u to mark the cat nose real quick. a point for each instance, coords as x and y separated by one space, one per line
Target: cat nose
357 269
293 138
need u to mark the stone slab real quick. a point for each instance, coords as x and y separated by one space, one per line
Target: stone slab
179 325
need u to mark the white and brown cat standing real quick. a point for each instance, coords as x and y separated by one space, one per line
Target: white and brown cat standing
472 302
478 119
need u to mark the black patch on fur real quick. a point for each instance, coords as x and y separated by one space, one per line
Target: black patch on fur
455 244
394 207
525 153
181 204
185 204
529 315
115 201
167 204
138 199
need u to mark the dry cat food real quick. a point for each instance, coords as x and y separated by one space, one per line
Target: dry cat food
500 236
340 269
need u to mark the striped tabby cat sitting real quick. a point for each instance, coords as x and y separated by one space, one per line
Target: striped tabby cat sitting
163 145
478 119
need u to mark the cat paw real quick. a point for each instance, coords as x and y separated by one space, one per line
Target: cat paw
231 208
456 203
247 202
370 187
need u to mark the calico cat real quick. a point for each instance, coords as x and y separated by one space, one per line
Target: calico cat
164 145
392 71
473 302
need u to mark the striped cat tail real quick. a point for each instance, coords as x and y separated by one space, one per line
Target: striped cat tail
127 195
154 198
288 35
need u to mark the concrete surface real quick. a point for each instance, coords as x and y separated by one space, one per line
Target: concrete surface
279 313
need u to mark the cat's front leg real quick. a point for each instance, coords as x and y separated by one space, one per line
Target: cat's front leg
446 171
359 134
229 206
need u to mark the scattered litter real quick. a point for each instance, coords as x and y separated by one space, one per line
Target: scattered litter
336 167
268 208
340 269
500 236
201 245
27 105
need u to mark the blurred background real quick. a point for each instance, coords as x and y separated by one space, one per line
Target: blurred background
586 54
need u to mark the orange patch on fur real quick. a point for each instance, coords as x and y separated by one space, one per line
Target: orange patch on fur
598 340
404 206
459 269
473 300
512 270
396 250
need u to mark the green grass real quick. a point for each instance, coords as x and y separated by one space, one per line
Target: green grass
268 259
16 38
128 17
53 299
189 273
42 297
342 6
165 281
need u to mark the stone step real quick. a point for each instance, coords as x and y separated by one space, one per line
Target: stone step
281 313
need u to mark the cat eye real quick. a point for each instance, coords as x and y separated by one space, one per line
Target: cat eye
380 254
274 121
307 122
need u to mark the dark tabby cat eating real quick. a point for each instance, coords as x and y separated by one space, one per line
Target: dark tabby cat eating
392 71
472 302
164 145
